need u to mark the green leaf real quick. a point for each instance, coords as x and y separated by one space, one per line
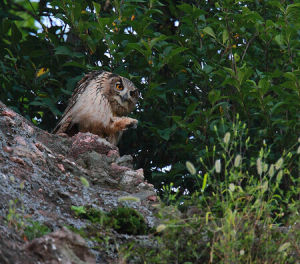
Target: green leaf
78 209
172 53
276 106
236 57
136 46
225 36
191 108
5 14
186 8
229 70
214 96
46 103
279 39
291 76
16 34
209 31
84 181
155 40
63 50
277 4
293 13
204 182
179 121
165 133
97 7
74 64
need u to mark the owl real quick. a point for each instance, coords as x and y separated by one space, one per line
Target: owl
99 105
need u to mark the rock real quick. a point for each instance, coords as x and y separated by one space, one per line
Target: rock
152 198
62 246
114 154
116 169
125 161
130 179
84 142
8 113
40 180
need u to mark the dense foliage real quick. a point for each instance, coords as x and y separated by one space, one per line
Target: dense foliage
236 223
195 63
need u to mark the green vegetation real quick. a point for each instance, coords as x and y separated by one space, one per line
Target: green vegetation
237 215
219 116
122 219
35 229
128 221
25 227
15 218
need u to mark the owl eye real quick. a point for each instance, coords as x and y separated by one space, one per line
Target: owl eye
119 87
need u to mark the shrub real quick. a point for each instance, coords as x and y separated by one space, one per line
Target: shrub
122 219
238 214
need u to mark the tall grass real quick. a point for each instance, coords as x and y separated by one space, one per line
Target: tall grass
239 213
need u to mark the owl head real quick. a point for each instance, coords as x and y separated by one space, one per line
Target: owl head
121 93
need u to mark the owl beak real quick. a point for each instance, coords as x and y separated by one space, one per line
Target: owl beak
125 97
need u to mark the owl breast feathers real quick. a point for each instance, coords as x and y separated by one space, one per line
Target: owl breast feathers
99 105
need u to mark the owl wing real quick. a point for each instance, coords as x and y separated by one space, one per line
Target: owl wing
65 121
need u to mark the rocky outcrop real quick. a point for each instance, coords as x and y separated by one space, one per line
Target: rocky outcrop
42 176
61 246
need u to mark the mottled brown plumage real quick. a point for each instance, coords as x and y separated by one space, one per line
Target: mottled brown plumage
99 105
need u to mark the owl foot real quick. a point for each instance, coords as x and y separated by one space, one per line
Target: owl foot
133 124
124 123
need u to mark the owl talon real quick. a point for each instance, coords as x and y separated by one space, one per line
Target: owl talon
132 125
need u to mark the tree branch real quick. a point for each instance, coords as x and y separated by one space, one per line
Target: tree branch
248 44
